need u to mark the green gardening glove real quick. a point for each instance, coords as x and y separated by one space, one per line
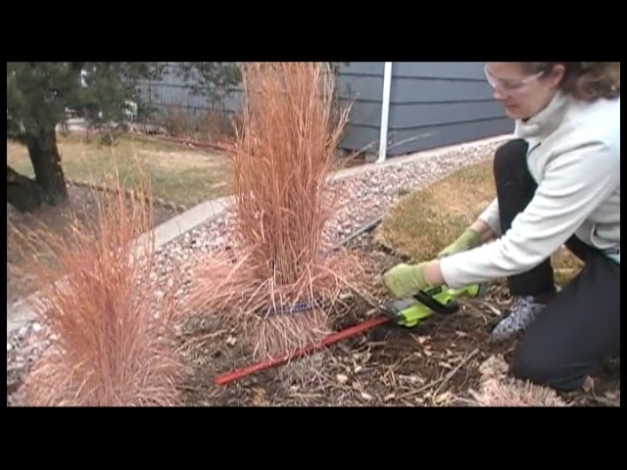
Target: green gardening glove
466 241
405 280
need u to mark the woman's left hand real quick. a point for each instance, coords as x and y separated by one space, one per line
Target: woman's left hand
405 280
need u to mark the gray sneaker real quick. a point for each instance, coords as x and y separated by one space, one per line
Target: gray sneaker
522 312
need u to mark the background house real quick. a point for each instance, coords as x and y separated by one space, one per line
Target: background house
397 107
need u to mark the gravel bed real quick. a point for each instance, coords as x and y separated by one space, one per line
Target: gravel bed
366 195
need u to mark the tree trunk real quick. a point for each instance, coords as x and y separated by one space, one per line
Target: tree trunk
49 186
49 176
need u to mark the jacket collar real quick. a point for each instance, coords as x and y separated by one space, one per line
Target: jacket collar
546 121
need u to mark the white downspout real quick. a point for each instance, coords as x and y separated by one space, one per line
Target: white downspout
385 111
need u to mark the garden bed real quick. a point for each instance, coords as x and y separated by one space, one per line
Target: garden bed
433 364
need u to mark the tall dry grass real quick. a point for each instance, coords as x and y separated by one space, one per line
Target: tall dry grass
282 153
498 389
510 393
110 316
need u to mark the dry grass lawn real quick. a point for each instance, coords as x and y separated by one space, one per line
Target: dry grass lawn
178 175
425 221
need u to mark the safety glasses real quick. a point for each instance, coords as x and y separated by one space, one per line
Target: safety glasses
510 87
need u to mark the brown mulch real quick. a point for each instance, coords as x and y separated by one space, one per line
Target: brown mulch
82 203
428 365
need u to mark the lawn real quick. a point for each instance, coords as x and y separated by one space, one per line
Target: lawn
179 175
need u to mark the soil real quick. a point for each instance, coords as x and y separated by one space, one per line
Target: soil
81 203
389 365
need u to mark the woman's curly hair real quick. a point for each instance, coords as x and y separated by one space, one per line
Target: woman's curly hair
586 81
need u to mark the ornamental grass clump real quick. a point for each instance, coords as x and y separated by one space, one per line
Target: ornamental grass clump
498 389
110 317
280 278
511 393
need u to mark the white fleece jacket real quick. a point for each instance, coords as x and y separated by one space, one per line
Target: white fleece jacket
574 156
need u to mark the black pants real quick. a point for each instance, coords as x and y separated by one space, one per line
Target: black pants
580 328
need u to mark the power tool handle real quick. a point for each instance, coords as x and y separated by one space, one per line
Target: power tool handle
435 305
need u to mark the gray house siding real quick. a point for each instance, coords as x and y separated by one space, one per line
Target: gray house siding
360 85
174 93
432 104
